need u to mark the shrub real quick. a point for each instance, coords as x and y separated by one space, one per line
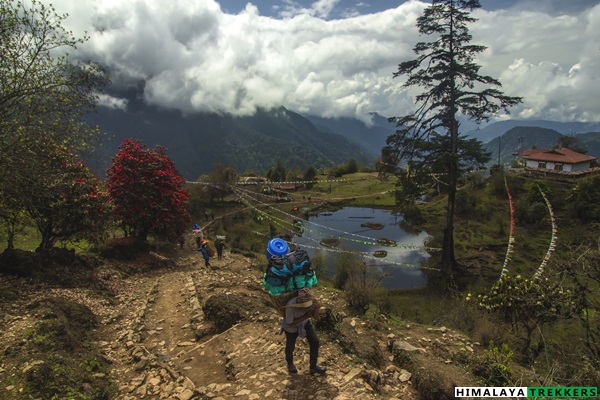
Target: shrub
533 191
359 284
345 265
359 293
485 207
318 262
495 368
537 213
528 304
582 199
474 180
330 321
465 201
495 184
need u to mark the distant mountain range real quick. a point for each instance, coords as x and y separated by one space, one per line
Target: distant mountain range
371 137
496 129
504 148
198 142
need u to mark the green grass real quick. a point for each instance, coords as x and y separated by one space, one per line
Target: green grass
28 238
364 187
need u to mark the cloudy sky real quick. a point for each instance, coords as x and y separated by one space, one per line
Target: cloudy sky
332 57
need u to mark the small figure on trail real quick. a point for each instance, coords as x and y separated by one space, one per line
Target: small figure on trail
296 322
220 245
212 215
205 253
198 236
206 215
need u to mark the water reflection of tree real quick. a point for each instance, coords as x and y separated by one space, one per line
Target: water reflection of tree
410 222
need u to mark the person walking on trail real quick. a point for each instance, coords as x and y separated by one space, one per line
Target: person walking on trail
220 245
205 255
198 236
296 322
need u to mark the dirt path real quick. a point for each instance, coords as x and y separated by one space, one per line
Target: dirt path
163 347
184 331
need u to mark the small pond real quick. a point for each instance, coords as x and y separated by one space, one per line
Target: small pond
360 230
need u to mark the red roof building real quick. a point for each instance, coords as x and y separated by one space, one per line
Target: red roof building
561 160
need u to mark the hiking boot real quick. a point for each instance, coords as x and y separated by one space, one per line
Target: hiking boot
292 368
317 369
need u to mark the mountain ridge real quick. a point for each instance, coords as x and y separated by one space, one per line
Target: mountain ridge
496 129
504 149
198 142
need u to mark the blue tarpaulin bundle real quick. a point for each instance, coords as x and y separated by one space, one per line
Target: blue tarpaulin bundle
289 273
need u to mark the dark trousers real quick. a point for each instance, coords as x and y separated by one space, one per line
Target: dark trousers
313 342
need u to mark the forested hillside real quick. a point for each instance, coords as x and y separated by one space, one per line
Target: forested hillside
198 142
496 129
504 149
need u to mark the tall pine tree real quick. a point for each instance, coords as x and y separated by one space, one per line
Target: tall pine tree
428 139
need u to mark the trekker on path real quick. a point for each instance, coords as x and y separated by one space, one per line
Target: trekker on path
296 322
220 245
205 255
198 236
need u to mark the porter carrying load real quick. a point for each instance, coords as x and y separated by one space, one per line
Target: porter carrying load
286 273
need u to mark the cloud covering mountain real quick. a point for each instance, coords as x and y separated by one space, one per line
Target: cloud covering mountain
194 56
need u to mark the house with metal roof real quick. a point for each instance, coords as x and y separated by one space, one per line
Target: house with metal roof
559 161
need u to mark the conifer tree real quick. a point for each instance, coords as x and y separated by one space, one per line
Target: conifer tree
277 172
452 86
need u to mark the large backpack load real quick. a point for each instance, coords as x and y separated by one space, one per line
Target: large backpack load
207 245
286 273
289 273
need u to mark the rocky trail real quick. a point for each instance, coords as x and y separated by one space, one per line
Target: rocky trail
164 347
187 331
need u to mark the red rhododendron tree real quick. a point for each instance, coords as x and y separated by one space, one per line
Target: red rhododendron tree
64 199
148 195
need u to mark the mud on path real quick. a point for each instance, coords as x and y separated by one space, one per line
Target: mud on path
163 345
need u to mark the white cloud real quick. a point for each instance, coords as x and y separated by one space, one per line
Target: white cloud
553 62
108 101
194 57
320 8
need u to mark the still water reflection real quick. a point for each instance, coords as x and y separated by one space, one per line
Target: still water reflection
401 263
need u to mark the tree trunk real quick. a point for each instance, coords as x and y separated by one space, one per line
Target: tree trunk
10 232
48 239
142 234
448 257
